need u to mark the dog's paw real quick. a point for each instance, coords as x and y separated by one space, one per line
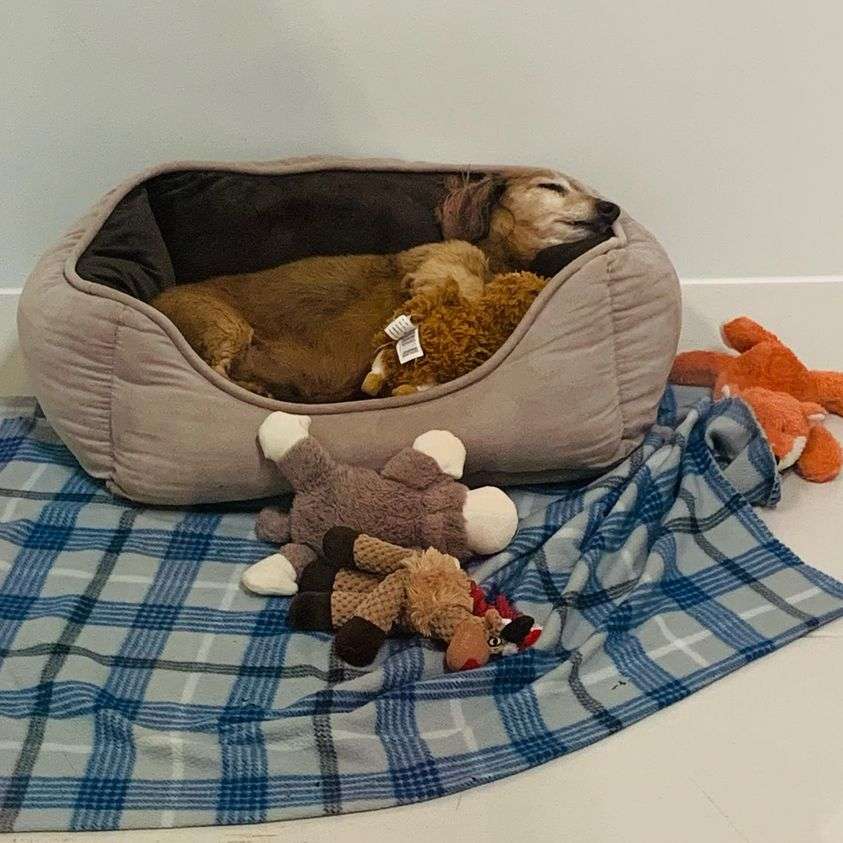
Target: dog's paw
445 448
273 575
280 431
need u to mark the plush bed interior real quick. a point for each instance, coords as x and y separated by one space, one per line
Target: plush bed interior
189 225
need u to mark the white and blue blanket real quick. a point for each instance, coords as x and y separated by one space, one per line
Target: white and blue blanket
141 686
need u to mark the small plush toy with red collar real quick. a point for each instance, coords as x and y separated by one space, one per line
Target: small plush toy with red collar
365 588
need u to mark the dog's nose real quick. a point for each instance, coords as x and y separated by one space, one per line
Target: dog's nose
608 211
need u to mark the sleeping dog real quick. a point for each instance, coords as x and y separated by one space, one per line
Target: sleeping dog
303 331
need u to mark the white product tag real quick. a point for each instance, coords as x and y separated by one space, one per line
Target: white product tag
399 327
409 347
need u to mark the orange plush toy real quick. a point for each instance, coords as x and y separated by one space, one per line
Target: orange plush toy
789 399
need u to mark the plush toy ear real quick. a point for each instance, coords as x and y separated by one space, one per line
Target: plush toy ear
516 631
466 210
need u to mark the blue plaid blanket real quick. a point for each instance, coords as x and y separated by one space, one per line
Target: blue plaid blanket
140 686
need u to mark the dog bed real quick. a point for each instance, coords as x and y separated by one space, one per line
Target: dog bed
572 391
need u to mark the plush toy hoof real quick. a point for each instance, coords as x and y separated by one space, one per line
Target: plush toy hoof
445 448
318 576
279 432
490 520
338 545
273 575
358 641
311 612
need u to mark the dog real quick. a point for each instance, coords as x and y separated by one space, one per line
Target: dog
303 331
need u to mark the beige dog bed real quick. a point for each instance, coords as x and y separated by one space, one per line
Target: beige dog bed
571 392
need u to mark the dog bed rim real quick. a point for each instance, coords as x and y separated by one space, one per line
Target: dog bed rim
301 165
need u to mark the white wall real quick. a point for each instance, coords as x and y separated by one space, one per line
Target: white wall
718 123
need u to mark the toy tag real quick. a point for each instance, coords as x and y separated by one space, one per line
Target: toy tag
409 347
399 327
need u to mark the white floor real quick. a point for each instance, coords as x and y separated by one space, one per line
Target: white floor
757 756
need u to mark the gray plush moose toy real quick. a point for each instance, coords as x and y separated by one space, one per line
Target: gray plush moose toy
414 501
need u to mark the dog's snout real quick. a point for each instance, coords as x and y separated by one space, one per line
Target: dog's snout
608 211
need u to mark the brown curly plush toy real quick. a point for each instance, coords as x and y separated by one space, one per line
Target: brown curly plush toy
364 588
456 333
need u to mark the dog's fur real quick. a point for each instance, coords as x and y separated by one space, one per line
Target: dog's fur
302 331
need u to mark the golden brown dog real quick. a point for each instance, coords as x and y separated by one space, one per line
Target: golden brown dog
303 331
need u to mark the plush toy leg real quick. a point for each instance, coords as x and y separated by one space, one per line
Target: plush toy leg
358 641
273 525
349 548
742 334
321 610
311 611
280 431
277 574
822 458
829 390
698 368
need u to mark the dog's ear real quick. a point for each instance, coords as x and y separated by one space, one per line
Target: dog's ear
467 207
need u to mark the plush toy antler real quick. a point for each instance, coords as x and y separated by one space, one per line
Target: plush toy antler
365 587
789 399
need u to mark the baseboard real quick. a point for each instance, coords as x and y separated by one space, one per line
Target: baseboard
805 312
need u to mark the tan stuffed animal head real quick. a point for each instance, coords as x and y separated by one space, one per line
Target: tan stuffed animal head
457 333
477 639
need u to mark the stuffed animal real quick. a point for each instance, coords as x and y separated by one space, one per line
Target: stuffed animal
455 333
414 501
364 588
766 373
794 431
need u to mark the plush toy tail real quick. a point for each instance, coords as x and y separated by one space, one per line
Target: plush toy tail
698 368
822 458
830 390
742 334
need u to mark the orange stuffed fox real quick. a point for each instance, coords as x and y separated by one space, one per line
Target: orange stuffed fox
789 400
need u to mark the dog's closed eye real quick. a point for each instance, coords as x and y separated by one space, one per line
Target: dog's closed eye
555 187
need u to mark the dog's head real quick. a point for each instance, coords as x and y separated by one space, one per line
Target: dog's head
523 213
